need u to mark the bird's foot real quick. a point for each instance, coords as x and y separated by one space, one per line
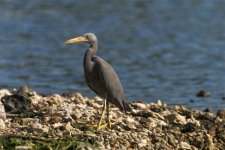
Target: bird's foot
108 125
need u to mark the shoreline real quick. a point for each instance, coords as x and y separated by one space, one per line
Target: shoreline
67 120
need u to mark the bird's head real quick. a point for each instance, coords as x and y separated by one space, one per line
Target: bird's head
86 38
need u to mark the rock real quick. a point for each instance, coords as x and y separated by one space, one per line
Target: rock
189 127
129 120
94 105
56 99
67 134
98 99
2 124
156 115
193 121
56 119
68 127
155 122
2 111
142 143
209 142
139 106
207 110
185 145
24 91
57 125
221 113
171 140
176 119
39 128
81 106
203 93
78 98
159 103
4 92
131 126
76 114
16 103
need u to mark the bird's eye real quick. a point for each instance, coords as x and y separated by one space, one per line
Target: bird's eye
86 36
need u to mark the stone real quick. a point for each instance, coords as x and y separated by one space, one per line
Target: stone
79 98
55 119
57 125
203 93
2 112
193 121
129 120
139 106
159 103
221 113
68 127
4 92
76 114
98 99
2 124
67 134
185 145
142 143
56 99
94 105
209 142
35 126
175 118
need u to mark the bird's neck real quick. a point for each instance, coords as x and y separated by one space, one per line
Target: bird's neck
87 62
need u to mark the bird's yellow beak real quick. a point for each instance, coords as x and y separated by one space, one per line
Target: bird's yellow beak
76 40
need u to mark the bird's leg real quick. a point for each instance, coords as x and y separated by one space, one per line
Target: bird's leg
102 114
105 108
108 119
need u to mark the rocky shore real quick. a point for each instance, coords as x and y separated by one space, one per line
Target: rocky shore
67 121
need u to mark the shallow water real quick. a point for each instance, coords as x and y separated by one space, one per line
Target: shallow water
160 49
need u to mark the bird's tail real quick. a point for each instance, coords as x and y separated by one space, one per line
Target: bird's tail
126 107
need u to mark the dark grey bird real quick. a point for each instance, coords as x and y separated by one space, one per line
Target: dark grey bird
101 77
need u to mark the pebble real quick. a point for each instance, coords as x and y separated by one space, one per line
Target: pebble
68 126
159 102
94 105
40 129
139 106
142 143
203 93
2 124
56 119
185 145
80 98
156 123
4 92
2 112
221 113
176 119
76 115
67 134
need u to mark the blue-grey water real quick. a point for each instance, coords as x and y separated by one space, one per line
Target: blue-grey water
161 49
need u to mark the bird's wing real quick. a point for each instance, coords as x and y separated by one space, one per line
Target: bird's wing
111 83
109 80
